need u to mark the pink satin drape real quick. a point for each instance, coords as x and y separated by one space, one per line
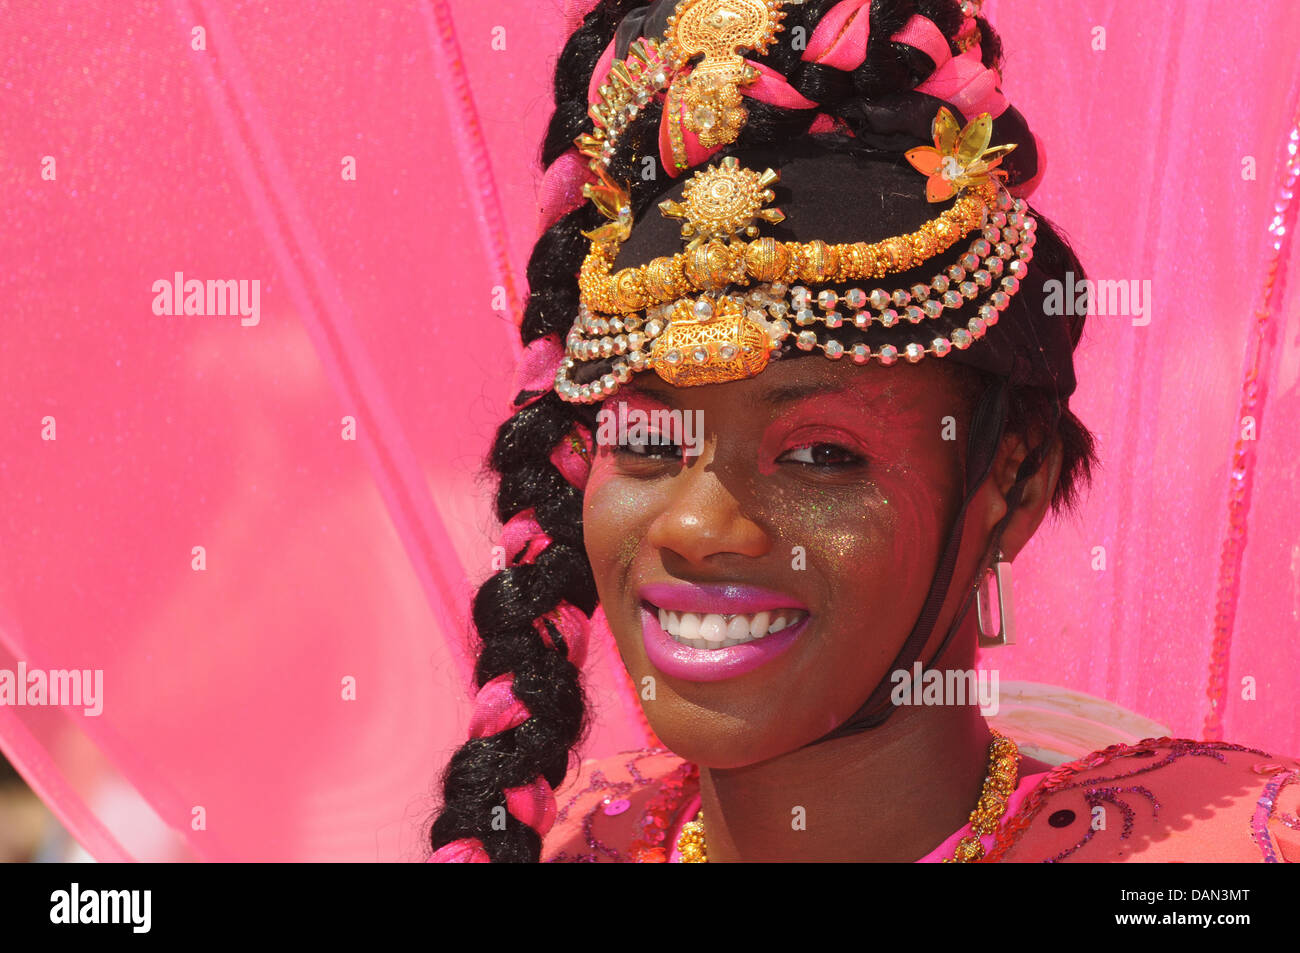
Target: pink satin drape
333 565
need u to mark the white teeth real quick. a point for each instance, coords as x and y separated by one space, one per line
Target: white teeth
715 631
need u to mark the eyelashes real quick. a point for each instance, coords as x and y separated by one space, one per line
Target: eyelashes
652 448
823 456
817 453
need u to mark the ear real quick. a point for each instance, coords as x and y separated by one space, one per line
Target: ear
1035 496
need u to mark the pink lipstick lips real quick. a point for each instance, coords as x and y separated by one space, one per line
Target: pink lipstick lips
713 664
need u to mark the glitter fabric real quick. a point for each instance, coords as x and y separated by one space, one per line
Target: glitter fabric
632 807
1099 776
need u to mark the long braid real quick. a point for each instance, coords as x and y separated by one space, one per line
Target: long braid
532 617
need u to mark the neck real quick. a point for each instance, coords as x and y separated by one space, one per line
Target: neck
889 794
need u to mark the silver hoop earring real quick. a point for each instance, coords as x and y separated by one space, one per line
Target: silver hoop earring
999 576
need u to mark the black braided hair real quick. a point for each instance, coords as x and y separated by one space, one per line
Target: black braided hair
508 603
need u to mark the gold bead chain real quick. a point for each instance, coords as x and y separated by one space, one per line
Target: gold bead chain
999 784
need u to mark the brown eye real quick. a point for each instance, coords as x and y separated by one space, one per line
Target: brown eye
650 449
825 455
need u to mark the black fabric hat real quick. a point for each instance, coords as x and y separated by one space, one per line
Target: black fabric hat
834 189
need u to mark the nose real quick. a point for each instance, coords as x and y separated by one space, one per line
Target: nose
702 518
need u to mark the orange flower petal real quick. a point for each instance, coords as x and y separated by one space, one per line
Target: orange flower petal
937 188
924 159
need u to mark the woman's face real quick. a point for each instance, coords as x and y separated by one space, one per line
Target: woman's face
825 484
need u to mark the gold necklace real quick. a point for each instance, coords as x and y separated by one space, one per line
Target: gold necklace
999 783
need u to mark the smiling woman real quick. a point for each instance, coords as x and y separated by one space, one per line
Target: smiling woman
841 181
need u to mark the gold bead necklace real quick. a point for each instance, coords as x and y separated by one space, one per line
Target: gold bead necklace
999 784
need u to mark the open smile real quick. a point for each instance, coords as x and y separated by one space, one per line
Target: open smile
701 659
712 631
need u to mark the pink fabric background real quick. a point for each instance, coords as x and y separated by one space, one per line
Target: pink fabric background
329 558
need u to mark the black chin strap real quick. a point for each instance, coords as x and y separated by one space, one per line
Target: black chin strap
987 427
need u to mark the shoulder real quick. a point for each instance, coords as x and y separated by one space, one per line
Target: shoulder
618 808
1161 800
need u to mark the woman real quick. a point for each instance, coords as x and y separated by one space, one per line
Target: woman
787 551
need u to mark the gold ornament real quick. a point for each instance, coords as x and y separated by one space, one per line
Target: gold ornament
632 84
718 29
723 201
999 784
690 843
711 342
642 317
814 261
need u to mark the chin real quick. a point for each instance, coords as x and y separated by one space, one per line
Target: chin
716 740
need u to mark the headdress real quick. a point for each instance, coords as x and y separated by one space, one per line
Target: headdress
748 280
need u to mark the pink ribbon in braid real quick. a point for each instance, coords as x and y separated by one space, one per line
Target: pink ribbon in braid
467 850
561 189
840 39
535 373
533 804
536 368
524 538
496 709
574 627
574 465
962 80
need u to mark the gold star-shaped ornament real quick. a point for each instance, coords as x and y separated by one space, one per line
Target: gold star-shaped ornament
724 202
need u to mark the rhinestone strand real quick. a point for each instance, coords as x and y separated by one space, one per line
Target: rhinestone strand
988 257
632 337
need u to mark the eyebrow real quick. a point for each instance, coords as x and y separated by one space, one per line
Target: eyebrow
792 392
775 397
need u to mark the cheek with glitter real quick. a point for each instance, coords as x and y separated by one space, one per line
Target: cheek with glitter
613 518
627 549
